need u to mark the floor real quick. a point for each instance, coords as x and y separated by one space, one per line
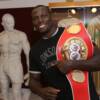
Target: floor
25 94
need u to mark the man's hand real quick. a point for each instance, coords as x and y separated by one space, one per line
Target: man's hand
49 93
64 66
26 78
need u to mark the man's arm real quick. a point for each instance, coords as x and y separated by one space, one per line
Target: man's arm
92 64
45 92
35 84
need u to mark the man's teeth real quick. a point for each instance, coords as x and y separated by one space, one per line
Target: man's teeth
42 26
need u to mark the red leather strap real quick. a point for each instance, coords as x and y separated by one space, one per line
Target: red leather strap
80 90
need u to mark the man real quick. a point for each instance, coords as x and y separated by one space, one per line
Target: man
43 59
12 42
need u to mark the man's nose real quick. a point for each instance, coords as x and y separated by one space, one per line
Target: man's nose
40 19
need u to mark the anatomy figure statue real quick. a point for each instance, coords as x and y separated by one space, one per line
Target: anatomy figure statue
12 42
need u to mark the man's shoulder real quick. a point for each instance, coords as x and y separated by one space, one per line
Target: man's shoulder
33 49
61 28
36 45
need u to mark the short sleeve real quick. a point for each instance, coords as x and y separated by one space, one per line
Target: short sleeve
34 67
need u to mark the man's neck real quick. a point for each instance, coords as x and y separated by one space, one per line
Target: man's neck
49 35
52 31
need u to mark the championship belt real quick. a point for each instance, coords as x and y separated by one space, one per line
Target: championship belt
75 44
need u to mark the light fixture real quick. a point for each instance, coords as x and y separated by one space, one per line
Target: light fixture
73 11
94 10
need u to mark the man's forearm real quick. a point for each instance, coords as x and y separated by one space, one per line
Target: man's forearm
87 65
35 85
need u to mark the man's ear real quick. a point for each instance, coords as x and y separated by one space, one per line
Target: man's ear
2 23
34 28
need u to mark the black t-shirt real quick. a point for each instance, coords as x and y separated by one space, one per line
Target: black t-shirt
41 55
43 52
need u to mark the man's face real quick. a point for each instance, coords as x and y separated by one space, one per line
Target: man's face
41 19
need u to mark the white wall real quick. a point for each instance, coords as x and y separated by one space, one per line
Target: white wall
24 3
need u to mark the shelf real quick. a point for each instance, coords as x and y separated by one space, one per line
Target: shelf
74 4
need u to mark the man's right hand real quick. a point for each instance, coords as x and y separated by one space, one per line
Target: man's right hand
49 93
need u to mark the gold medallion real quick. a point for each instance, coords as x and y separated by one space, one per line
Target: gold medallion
78 76
67 49
74 29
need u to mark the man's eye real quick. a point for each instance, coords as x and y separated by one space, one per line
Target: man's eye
34 18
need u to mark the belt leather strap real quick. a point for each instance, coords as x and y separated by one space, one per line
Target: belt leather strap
78 45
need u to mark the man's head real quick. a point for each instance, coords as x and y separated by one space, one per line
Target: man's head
8 22
41 18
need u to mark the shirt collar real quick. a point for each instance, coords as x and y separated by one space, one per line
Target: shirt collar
44 37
